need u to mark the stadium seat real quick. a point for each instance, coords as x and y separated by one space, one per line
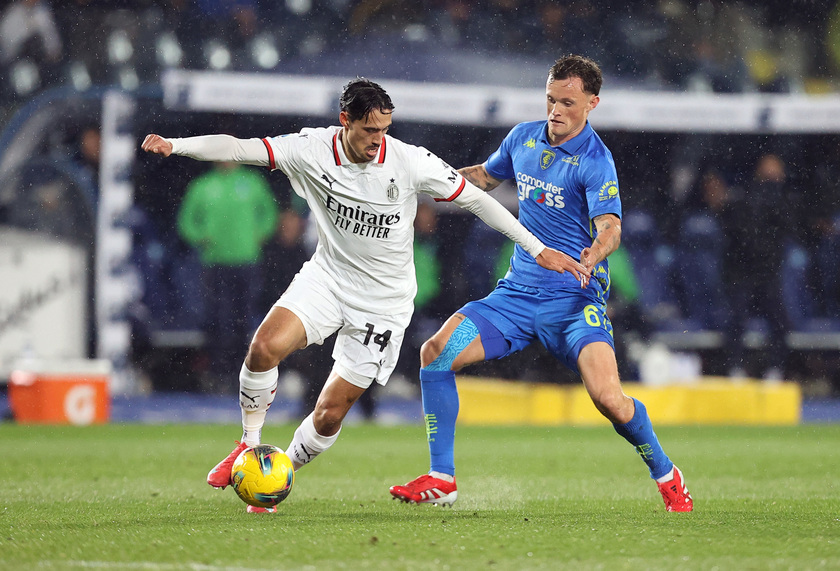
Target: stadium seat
700 262
797 275
653 263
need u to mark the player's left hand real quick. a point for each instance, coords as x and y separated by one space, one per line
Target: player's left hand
552 259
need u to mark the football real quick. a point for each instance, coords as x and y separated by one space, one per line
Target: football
262 475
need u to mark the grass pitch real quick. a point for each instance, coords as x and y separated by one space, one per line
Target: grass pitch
134 497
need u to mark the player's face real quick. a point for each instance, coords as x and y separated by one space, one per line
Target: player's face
568 107
361 138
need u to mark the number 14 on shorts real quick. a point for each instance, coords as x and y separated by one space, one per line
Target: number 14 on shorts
380 339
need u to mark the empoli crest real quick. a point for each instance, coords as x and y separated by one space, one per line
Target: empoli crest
547 158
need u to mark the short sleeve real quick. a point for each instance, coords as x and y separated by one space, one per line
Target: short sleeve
284 150
500 164
601 182
436 178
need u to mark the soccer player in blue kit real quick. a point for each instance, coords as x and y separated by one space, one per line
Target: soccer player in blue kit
568 197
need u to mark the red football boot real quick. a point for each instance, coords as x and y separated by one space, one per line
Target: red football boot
427 490
675 493
219 476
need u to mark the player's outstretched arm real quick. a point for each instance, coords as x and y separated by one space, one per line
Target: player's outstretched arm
210 148
497 217
479 176
157 145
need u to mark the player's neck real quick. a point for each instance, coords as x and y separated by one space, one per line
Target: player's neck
348 151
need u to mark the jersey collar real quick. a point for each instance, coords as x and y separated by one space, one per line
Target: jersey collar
342 160
575 143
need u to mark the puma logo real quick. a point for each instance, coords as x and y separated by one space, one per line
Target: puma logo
328 181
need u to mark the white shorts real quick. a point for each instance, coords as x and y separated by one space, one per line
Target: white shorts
368 343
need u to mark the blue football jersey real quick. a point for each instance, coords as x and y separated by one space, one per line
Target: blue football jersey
561 189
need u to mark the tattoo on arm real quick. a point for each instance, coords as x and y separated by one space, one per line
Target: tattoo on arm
608 237
479 177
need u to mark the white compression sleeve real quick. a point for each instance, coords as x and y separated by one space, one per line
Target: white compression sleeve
497 217
222 148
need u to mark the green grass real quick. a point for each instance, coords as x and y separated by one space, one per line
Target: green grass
134 497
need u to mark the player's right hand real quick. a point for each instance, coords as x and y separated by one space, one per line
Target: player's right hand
552 259
157 145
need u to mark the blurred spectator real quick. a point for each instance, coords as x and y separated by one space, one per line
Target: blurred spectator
705 44
215 34
571 27
832 37
768 216
706 243
28 34
513 25
51 205
823 231
382 17
625 310
28 28
455 22
484 248
652 259
88 147
283 254
227 214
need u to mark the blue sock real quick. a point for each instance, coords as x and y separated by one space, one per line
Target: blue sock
440 409
639 432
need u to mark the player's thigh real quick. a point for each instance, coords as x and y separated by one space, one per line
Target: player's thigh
316 306
368 344
280 333
569 321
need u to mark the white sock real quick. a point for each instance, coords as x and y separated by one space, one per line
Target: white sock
441 476
307 443
256 393
667 477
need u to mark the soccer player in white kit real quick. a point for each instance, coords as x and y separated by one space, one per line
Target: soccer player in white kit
361 186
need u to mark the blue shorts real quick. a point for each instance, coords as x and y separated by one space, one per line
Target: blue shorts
564 321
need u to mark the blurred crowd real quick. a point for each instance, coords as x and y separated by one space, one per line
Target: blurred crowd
707 45
733 234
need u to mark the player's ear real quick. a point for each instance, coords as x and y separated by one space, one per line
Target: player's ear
593 103
344 118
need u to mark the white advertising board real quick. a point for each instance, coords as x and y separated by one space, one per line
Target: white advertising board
43 299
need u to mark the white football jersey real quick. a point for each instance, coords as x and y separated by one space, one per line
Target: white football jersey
364 212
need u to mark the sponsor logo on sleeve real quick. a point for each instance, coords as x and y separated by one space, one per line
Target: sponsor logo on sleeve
608 190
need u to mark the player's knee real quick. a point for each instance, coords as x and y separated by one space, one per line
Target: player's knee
614 405
261 353
430 350
327 418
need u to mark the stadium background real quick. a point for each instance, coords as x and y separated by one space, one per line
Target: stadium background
688 85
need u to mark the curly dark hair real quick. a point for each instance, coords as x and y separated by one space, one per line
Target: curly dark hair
578 66
361 97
